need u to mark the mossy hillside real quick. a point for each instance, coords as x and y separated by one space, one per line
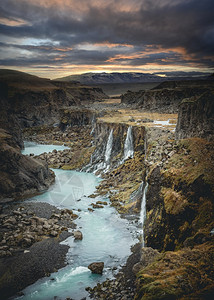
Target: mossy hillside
184 274
71 116
180 204
80 158
122 182
193 160
37 131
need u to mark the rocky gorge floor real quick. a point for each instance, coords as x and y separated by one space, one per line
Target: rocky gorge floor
30 240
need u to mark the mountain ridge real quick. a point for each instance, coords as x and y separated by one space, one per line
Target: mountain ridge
129 77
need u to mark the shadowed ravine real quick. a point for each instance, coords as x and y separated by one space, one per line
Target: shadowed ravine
106 237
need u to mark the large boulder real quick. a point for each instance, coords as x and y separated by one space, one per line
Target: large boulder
77 235
96 267
148 255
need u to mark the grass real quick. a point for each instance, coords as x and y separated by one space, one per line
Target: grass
194 159
138 118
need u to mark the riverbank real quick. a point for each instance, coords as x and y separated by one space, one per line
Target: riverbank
31 233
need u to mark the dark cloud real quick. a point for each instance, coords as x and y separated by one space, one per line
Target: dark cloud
185 26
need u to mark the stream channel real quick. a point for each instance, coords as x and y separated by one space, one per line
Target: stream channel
106 236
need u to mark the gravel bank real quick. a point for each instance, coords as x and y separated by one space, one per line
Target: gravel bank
24 264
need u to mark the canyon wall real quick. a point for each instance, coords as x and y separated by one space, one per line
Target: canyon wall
167 96
20 176
28 100
196 117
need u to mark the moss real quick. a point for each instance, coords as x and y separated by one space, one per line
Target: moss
178 274
204 217
193 159
126 179
174 202
80 158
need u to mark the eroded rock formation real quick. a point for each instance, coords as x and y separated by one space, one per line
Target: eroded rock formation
20 175
196 117
167 96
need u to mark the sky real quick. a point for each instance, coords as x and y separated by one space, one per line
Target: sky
55 38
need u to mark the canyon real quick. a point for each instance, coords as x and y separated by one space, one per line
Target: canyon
155 145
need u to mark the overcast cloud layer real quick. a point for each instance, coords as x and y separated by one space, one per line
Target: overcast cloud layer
115 35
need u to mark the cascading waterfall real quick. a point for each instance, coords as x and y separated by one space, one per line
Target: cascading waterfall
143 212
93 122
101 160
129 147
109 147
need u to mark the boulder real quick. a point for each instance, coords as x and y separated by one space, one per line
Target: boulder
96 267
78 235
148 255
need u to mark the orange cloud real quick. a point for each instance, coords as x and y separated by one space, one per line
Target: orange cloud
112 45
14 22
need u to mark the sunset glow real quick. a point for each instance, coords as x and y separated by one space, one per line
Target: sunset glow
57 38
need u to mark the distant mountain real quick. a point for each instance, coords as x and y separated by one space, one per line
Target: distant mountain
101 78
104 78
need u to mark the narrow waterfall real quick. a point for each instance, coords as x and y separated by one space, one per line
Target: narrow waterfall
109 147
93 123
143 212
129 147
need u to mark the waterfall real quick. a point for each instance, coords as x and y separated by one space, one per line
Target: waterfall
93 123
143 212
109 147
128 147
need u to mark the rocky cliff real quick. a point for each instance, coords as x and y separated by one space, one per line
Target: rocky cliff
167 96
27 101
196 117
72 116
20 176
35 101
179 224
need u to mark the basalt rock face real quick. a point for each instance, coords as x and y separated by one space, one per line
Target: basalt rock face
115 156
165 97
35 101
8 120
76 116
196 117
179 223
20 176
179 197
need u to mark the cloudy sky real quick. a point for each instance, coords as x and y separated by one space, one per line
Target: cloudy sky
54 38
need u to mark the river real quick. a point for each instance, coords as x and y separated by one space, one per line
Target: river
106 237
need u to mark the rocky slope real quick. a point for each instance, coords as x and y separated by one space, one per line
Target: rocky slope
196 117
35 101
27 101
179 224
20 176
167 96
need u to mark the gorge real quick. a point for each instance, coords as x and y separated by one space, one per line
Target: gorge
156 175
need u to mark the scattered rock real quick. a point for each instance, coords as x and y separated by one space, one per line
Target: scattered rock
78 235
96 267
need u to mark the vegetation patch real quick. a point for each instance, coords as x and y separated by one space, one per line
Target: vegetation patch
174 202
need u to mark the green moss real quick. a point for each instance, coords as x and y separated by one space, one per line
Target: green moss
174 202
205 215
177 274
193 159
